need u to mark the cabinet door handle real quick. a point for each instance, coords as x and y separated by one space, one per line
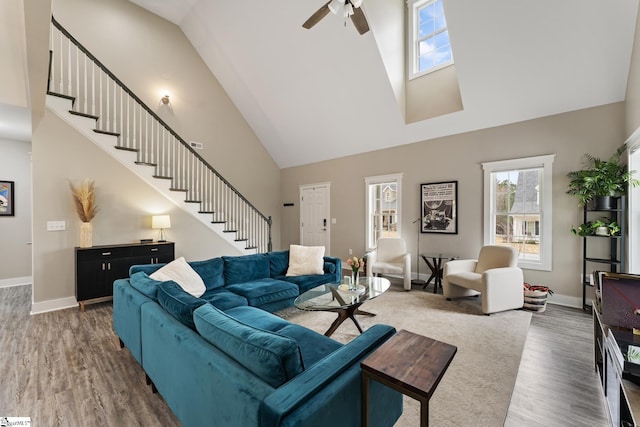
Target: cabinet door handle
106 253
109 266
103 268
154 249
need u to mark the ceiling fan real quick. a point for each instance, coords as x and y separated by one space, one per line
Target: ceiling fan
349 8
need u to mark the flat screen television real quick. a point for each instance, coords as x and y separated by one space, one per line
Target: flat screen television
620 293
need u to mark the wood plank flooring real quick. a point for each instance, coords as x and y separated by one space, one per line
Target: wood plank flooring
65 368
557 384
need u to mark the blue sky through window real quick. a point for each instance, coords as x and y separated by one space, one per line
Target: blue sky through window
432 36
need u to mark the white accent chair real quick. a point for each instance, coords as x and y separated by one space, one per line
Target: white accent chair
390 257
495 275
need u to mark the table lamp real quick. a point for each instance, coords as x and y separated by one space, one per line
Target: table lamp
161 222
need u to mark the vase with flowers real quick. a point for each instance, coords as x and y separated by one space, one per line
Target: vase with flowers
355 263
84 198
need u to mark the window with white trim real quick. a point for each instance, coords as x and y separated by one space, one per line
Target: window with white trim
517 208
429 49
383 199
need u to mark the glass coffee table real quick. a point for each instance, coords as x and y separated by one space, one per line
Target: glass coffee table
346 303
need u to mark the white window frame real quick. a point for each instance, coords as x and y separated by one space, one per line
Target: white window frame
546 193
372 180
414 62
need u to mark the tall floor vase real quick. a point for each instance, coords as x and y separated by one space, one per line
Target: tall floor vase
86 235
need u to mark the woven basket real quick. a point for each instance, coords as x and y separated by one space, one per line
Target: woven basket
535 300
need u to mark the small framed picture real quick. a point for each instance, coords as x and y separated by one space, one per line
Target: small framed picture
6 198
439 207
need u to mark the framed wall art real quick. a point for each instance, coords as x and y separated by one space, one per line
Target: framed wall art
439 207
6 199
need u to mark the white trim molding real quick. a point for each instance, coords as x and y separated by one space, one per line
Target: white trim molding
53 305
546 194
16 281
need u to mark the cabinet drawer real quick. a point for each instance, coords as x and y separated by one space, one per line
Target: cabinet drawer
153 250
102 253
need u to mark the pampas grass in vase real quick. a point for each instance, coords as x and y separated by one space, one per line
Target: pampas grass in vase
84 197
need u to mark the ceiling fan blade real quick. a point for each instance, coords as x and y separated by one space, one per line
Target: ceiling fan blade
359 20
316 17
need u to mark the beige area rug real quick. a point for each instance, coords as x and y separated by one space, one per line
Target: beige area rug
477 387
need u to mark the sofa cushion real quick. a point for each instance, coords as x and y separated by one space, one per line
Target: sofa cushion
223 299
180 272
278 263
304 283
313 346
178 303
274 358
467 279
245 268
305 260
145 284
210 271
263 291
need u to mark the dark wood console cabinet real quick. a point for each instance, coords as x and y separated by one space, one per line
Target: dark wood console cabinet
622 396
97 267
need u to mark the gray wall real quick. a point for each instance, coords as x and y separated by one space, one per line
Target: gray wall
15 247
597 131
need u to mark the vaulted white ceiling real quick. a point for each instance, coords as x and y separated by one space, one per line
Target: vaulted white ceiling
323 93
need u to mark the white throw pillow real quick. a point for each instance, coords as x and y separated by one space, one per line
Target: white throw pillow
180 272
305 260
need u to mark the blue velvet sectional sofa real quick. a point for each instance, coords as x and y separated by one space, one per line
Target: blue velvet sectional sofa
224 359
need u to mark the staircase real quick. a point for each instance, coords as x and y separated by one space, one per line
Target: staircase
85 94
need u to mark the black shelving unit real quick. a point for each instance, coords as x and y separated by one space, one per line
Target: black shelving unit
616 244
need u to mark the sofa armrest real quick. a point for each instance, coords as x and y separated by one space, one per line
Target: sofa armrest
286 399
338 264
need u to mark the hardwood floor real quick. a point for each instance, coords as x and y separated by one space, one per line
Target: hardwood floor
557 384
66 368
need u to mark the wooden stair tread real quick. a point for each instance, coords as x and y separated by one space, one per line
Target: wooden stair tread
106 132
145 163
59 95
119 147
78 113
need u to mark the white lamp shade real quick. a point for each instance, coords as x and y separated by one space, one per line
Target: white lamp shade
161 221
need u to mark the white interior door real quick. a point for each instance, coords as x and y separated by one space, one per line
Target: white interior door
315 224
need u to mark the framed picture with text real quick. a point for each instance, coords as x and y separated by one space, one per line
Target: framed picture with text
439 207
6 198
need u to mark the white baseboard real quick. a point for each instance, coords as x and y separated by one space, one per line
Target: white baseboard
53 305
16 281
565 300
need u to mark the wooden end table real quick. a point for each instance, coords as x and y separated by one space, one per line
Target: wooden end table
409 363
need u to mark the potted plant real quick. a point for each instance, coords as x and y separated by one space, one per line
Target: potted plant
601 180
600 227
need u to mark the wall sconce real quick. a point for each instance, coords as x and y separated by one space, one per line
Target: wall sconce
161 222
165 99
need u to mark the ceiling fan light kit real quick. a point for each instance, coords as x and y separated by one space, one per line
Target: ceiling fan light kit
348 8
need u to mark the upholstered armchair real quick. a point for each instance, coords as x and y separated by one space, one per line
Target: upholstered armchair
494 274
390 257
